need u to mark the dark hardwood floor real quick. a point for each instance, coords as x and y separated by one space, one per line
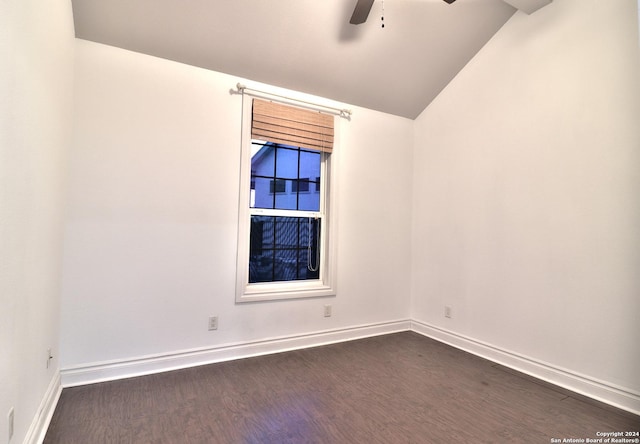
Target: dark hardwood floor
398 388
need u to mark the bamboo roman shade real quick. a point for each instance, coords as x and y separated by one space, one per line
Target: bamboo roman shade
279 123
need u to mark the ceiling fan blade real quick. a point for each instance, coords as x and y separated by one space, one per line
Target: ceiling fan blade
361 12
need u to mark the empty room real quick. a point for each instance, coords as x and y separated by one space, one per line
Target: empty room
329 221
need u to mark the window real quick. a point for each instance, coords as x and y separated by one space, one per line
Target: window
283 248
284 243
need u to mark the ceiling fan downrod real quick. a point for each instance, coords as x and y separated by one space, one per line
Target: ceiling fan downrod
362 9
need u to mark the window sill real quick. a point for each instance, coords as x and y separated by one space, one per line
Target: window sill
277 290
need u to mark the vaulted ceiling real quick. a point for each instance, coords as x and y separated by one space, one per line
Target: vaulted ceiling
308 45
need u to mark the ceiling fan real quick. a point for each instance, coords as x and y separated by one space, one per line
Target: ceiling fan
362 9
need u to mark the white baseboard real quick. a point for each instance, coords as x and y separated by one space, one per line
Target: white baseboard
620 397
40 424
107 371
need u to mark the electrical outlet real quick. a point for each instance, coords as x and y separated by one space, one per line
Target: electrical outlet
447 311
213 323
327 311
10 418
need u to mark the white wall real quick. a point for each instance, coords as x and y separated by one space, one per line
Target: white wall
525 221
526 210
151 235
36 74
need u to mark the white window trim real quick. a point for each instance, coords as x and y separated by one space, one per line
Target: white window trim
268 291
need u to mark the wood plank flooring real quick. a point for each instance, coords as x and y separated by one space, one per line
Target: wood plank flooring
398 388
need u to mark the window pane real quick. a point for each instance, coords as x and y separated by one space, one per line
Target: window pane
286 162
280 250
281 178
287 235
309 170
287 200
285 268
309 201
303 269
309 263
263 160
309 163
262 197
261 250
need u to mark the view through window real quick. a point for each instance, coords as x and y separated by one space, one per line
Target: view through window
285 209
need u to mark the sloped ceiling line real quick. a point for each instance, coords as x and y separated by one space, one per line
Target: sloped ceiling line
308 45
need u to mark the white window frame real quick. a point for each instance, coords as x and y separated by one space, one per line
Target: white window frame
268 291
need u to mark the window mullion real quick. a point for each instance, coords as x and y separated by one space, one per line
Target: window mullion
275 175
285 213
274 250
298 182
